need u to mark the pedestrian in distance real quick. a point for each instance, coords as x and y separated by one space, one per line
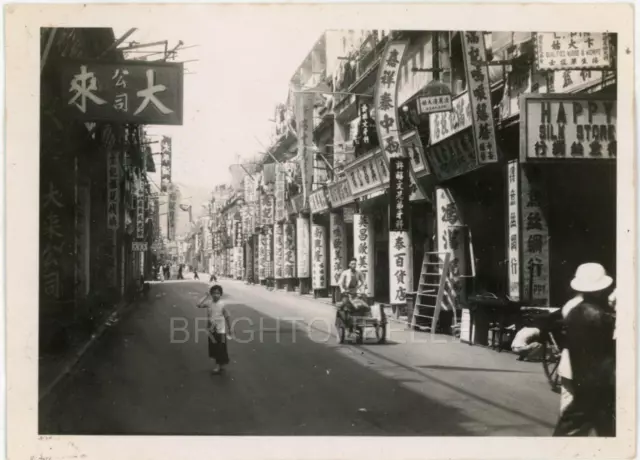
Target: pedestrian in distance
195 275
180 277
218 327
588 363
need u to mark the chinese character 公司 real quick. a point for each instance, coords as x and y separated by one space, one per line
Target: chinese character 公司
119 75
122 102
83 84
149 95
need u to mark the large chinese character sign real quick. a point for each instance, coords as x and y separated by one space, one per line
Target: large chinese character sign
573 50
399 194
124 92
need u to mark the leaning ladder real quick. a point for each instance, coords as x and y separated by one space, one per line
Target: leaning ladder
432 285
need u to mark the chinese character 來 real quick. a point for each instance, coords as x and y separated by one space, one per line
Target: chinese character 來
84 84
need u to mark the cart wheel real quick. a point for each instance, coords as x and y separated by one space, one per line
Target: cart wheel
381 333
550 363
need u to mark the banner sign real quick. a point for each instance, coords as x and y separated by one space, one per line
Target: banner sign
289 254
475 53
268 250
113 189
366 137
262 257
454 157
165 163
256 258
140 92
238 260
412 146
319 278
140 218
400 266
278 250
339 193
435 104
535 239
451 238
513 230
267 209
318 200
338 240
238 240
568 127
171 216
302 246
445 124
137 246
363 250
248 266
572 50
304 122
281 211
399 195
363 174
386 98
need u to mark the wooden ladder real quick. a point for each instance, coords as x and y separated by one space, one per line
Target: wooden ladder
431 290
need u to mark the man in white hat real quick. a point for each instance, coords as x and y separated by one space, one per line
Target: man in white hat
588 364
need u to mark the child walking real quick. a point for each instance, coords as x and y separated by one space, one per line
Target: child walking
219 327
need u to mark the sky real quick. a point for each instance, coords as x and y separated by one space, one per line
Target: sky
230 93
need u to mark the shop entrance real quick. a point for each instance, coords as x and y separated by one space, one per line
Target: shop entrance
581 219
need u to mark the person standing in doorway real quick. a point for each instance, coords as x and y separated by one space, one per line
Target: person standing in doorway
588 366
218 327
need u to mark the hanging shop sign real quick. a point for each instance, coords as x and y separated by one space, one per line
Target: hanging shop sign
453 157
435 104
278 250
386 98
262 257
363 250
535 238
256 258
267 209
268 251
302 246
561 127
318 200
248 267
280 211
137 246
239 237
124 92
573 81
304 122
165 164
171 216
412 146
400 266
319 250
140 218
339 193
338 247
475 54
366 137
289 254
445 124
572 50
113 189
513 229
399 194
452 239
363 174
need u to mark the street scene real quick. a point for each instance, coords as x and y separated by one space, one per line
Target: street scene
395 233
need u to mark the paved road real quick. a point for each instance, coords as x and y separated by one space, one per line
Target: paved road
291 379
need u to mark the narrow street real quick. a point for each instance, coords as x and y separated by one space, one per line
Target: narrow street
292 378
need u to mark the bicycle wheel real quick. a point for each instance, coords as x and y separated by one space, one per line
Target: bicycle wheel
551 362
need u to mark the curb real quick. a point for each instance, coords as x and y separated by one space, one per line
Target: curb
67 368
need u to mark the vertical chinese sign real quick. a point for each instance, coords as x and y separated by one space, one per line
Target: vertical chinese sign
113 212
278 250
306 154
475 59
289 253
268 250
165 164
535 238
262 267
367 137
302 246
363 246
171 213
400 253
338 254
513 230
451 238
280 212
319 279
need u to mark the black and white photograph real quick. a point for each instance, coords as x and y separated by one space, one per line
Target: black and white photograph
272 223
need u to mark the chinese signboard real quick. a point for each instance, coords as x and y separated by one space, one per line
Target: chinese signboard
262 257
113 189
434 104
513 230
278 250
165 163
572 50
535 239
281 212
338 254
574 127
451 238
139 246
412 146
238 240
304 122
249 262
386 96
124 92
268 251
400 266
363 174
399 195
475 57
339 193
446 124
289 254
319 278
453 157
140 218
238 260
302 246
366 137
267 209
363 247
318 200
